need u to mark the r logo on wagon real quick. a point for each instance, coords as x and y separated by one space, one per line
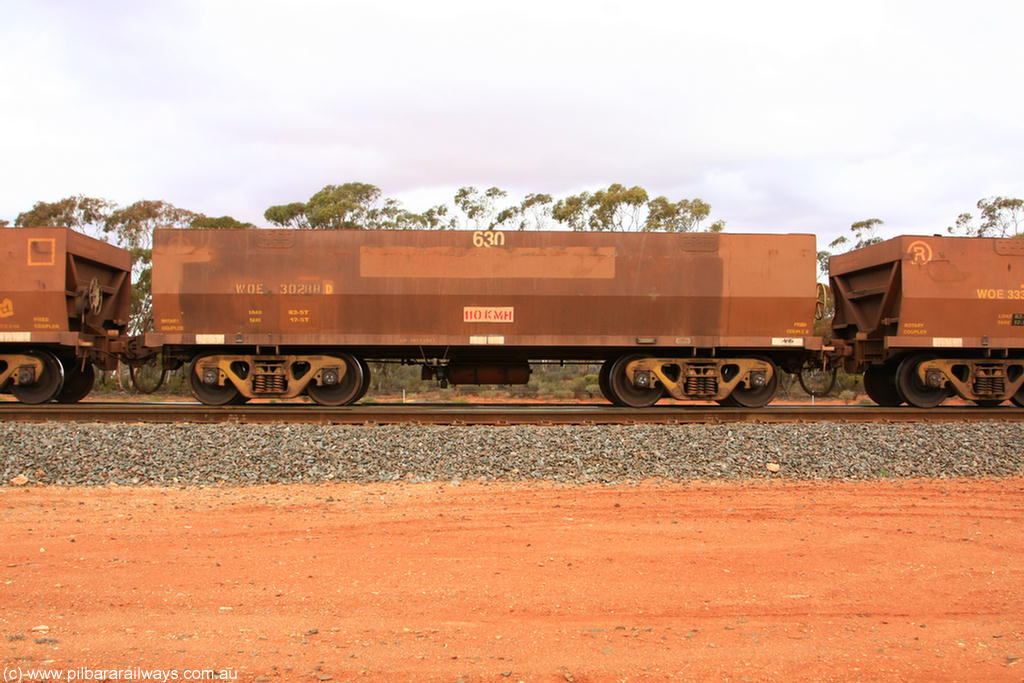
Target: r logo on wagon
920 252
488 314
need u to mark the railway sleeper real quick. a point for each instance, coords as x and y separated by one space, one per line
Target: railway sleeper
713 379
286 376
973 379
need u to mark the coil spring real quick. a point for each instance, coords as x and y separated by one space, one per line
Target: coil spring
268 384
701 386
986 386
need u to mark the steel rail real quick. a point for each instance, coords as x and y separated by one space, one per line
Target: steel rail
487 414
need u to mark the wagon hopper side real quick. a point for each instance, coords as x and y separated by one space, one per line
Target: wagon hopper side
929 317
284 312
64 306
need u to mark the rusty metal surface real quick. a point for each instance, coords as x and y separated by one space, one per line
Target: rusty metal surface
59 286
171 413
402 290
941 293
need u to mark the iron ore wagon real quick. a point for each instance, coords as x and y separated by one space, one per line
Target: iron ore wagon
280 313
928 317
64 305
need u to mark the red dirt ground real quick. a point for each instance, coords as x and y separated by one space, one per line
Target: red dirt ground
495 582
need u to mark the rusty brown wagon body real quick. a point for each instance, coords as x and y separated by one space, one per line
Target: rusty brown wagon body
279 312
64 306
925 317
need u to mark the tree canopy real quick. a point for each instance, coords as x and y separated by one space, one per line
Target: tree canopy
351 206
998 217
361 206
85 214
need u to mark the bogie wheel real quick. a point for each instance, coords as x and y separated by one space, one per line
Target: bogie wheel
880 385
78 381
757 397
604 384
1018 398
623 391
210 394
912 389
46 386
346 391
366 379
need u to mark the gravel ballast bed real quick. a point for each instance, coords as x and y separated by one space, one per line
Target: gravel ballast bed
209 455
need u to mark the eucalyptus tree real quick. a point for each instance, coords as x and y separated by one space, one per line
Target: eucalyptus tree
998 217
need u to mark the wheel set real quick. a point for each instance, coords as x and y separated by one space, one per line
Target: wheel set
638 381
49 377
900 381
896 382
331 380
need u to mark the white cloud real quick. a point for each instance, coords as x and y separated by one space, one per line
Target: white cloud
784 116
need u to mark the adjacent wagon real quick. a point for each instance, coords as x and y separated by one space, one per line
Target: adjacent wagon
928 317
64 305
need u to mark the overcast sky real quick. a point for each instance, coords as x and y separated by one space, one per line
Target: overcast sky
784 116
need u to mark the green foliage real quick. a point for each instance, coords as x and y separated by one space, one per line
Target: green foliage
619 208
534 211
480 208
288 215
823 257
133 225
220 223
574 211
342 207
436 218
351 206
85 214
140 318
360 206
685 215
864 232
999 217
390 378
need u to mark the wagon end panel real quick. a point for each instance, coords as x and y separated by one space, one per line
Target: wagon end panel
58 285
769 293
32 289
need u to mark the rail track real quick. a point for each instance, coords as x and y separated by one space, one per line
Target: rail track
487 414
